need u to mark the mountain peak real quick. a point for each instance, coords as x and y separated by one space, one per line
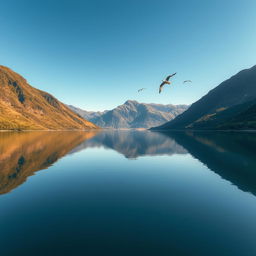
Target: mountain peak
129 102
133 114
8 74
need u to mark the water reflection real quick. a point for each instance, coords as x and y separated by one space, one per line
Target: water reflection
101 203
22 154
133 144
232 155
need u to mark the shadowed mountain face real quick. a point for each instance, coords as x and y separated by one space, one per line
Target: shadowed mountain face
22 154
245 117
230 155
24 107
134 144
133 114
221 106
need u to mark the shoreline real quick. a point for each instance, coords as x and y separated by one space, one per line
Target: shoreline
127 129
89 130
154 130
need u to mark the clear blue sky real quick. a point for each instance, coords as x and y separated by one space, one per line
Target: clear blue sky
97 54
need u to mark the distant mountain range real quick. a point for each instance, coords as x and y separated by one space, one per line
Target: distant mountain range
132 114
231 105
24 107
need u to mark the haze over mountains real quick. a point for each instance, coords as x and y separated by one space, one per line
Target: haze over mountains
24 107
133 114
231 105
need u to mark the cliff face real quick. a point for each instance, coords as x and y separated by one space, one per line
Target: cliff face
24 107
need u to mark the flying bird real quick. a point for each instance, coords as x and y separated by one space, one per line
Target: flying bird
187 81
166 81
142 89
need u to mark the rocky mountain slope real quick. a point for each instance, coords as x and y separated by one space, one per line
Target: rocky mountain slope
133 114
221 105
24 107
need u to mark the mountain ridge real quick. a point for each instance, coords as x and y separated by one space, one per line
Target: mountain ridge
23 107
132 114
237 90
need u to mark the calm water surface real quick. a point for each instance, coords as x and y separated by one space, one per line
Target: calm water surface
127 193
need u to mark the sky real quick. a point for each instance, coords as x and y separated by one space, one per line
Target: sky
96 54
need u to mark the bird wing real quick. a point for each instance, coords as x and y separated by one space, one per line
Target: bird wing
168 77
161 86
186 81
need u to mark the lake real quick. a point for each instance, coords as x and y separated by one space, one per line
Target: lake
127 193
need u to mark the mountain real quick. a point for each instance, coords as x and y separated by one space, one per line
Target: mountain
24 153
24 107
133 114
245 119
221 106
88 115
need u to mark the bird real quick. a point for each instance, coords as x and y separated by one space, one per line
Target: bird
166 81
187 81
142 89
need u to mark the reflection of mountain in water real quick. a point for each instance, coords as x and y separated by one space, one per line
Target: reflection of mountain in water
134 143
231 155
22 154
